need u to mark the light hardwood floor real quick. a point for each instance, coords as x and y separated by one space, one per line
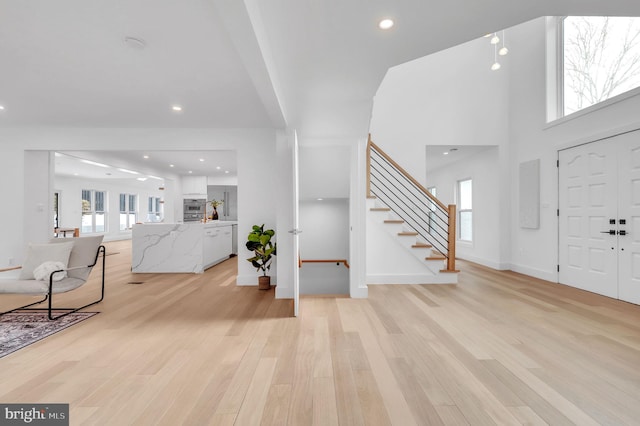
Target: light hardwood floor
498 348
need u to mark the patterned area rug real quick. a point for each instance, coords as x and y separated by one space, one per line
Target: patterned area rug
20 329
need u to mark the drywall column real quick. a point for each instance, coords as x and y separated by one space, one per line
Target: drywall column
284 222
38 198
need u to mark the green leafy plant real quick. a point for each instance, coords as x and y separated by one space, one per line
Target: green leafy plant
215 203
259 242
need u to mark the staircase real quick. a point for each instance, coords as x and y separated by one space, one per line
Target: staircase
413 220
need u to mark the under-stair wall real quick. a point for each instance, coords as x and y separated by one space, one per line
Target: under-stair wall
393 258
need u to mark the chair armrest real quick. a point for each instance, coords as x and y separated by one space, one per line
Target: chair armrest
13 268
75 268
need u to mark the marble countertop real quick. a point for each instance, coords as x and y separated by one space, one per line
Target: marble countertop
209 224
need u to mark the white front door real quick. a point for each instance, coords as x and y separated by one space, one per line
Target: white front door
629 217
599 201
588 202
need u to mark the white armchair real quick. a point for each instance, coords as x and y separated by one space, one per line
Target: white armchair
83 257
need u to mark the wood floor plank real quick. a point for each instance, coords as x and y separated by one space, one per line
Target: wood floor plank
195 349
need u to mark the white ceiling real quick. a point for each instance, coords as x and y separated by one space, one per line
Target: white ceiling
215 164
65 63
436 157
231 63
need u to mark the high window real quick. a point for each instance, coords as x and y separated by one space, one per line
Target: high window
128 211
465 210
93 211
598 58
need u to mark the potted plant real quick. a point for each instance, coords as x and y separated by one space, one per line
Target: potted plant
215 203
259 242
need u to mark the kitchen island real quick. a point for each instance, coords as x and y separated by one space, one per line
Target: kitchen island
177 247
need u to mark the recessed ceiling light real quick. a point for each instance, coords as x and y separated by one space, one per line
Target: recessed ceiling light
190 171
171 165
142 179
385 24
320 199
218 167
76 174
145 156
226 171
202 159
176 108
93 163
1 108
155 177
445 153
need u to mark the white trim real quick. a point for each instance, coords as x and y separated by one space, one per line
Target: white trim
607 134
551 276
500 266
595 107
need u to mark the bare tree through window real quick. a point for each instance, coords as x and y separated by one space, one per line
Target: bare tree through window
601 59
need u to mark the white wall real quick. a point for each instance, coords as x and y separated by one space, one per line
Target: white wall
324 171
483 169
70 206
325 235
257 203
535 252
448 98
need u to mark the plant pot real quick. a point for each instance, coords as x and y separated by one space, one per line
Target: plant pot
264 282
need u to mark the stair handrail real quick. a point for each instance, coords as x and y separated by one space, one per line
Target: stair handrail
450 210
345 262
406 174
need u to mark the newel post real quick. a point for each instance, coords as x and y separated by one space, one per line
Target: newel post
451 256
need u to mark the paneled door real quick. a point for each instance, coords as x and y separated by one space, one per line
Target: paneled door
629 213
588 202
599 219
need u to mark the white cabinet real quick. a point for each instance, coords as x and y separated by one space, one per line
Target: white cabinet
194 186
216 244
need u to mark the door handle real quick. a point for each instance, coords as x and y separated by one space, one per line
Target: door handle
622 232
610 232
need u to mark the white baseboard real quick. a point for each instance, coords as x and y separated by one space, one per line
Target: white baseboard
536 273
485 262
360 293
412 279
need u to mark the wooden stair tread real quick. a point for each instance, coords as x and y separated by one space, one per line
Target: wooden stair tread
407 234
372 197
394 221
421 245
447 271
434 257
380 209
